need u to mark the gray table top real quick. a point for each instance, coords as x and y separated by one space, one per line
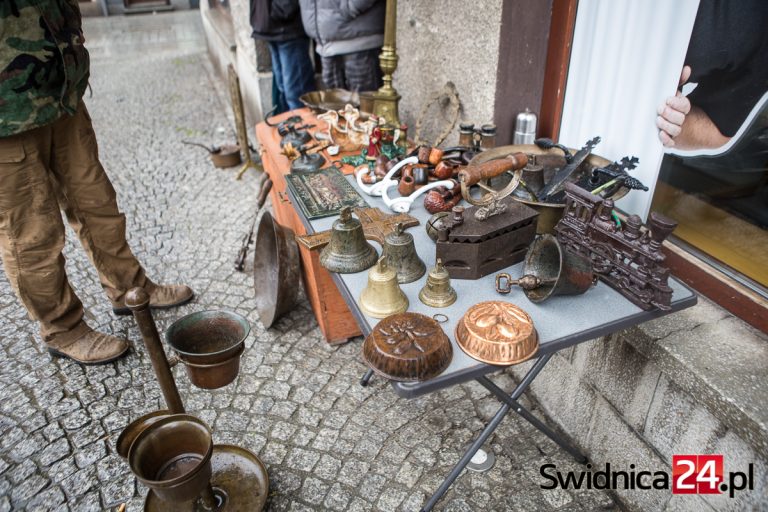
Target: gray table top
560 321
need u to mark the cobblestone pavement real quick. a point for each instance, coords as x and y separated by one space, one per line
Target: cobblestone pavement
328 443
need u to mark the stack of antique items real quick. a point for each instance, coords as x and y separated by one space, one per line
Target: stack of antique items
172 452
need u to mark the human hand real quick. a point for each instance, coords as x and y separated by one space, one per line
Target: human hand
672 113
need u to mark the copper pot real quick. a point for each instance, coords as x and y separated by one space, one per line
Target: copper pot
136 427
173 457
227 155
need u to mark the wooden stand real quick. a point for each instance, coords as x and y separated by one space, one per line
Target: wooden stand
333 316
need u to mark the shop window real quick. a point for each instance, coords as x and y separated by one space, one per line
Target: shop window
714 181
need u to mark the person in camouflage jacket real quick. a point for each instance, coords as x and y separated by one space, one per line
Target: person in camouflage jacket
49 157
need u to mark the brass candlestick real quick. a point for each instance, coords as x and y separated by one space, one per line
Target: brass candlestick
385 100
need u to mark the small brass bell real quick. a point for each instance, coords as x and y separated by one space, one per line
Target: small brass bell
438 292
383 296
348 251
401 255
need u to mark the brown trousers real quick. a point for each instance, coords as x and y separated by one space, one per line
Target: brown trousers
40 168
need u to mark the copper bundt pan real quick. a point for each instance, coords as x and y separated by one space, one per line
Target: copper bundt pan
497 332
407 347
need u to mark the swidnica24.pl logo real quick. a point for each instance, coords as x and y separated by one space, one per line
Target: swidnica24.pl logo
691 474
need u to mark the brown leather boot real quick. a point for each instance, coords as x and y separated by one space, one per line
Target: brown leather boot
160 297
86 346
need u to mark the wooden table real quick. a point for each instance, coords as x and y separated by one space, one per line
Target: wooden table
333 316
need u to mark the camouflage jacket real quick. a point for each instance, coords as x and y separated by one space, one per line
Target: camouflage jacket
44 67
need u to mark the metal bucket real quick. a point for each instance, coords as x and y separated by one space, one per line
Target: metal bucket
276 270
173 457
561 272
209 344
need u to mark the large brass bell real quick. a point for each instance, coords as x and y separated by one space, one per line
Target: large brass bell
438 292
401 255
383 296
348 252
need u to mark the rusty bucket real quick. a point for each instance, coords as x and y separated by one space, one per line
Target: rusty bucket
209 344
276 270
173 457
560 272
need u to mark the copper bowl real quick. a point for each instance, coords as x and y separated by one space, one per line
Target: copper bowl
407 347
337 99
497 332
551 159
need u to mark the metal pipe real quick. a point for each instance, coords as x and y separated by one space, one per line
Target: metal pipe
459 467
533 420
137 301
366 378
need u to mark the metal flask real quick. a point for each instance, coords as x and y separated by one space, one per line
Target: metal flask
383 296
438 292
348 252
401 255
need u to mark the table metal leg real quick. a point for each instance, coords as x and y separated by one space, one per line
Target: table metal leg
366 378
533 420
459 467
486 433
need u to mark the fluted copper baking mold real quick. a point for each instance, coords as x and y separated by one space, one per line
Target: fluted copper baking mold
497 332
407 347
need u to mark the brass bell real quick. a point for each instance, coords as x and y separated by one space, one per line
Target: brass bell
401 255
438 292
348 252
383 296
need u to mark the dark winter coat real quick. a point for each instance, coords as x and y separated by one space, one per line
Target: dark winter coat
276 20
344 26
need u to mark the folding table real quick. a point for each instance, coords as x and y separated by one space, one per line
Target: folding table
561 322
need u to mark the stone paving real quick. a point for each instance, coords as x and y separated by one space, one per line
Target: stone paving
329 444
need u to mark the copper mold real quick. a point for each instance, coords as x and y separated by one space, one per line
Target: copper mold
407 347
498 333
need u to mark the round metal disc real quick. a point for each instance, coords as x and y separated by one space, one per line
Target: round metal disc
239 479
481 461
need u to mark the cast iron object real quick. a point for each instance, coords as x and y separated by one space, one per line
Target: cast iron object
209 344
137 301
295 137
347 252
552 159
401 255
496 332
376 226
276 270
407 347
307 162
628 258
550 270
438 292
382 296
173 458
474 248
239 480
557 182
134 428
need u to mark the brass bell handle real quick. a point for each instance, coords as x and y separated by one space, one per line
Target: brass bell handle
507 287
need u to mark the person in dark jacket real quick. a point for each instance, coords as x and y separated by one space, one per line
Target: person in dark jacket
278 22
348 35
